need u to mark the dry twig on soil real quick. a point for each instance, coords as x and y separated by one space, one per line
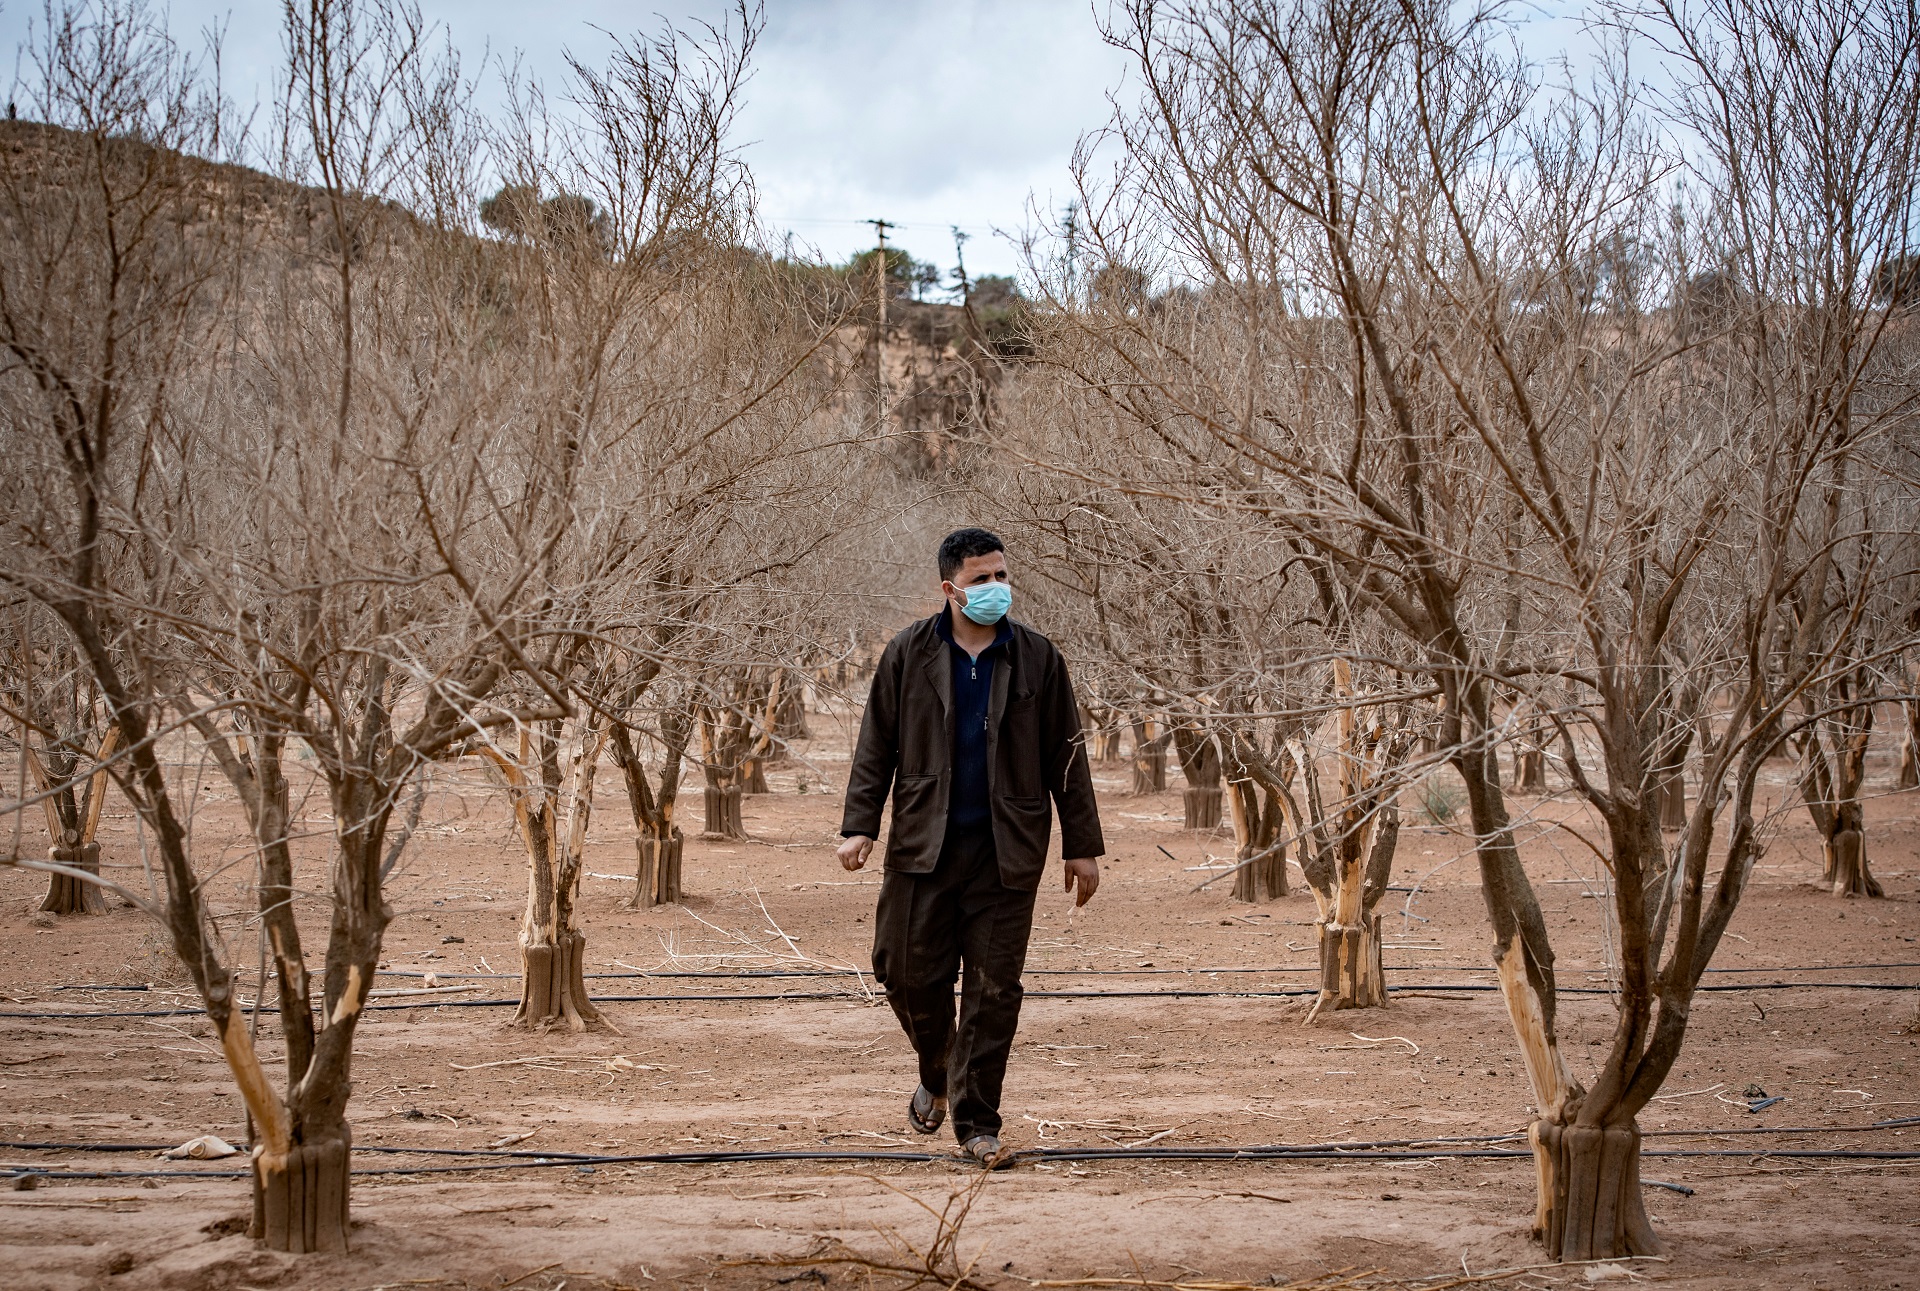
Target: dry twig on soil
938 1262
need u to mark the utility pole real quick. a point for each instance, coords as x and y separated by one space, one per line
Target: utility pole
1072 231
880 227
960 266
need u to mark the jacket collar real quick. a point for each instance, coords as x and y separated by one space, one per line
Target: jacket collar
939 672
943 627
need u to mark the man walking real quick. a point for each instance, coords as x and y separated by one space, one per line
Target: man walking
971 725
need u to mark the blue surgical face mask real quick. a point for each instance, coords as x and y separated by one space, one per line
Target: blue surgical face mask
987 603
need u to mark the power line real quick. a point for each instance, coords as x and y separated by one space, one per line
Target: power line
892 224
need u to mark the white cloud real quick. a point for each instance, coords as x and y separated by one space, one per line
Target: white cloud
926 113
929 113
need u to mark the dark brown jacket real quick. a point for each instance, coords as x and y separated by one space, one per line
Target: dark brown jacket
1034 750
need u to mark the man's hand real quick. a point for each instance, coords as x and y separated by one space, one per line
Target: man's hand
1085 870
853 852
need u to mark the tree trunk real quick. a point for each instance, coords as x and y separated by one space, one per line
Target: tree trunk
1834 765
1529 752
658 842
1149 760
1673 800
1847 871
765 747
1347 848
790 714
1670 772
1255 829
1587 1179
1529 771
68 895
1264 880
723 812
659 870
1202 807
73 822
553 988
1200 763
1909 773
1589 1192
552 947
1103 734
1349 931
1150 771
726 738
300 1200
1350 972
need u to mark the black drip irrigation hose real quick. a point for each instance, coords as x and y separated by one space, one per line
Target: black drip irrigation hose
1452 988
1479 1147
1348 1145
750 973
1042 972
1274 1152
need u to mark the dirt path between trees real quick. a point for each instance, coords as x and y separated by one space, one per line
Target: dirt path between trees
1099 1063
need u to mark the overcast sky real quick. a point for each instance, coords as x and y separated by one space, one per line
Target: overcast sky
927 113
930 113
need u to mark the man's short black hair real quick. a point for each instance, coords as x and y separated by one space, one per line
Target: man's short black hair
962 545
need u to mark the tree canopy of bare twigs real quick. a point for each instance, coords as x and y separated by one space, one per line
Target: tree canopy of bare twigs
307 461
1584 450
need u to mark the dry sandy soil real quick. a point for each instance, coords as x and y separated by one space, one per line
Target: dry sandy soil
833 1073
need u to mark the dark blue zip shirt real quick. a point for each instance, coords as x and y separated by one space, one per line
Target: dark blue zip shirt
968 804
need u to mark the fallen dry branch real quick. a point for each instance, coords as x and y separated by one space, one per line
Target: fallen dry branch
936 1263
939 1262
1105 1129
1325 1282
756 954
553 1277
1369 1280
1215 1196
913 1270
398 991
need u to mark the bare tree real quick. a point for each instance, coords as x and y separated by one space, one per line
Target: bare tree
117 269
63 746
1810 115
659 842
292 471
685 397
1348 837
1908 774
1428 343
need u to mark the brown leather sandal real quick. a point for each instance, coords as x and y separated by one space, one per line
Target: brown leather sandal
926 1111
986 1149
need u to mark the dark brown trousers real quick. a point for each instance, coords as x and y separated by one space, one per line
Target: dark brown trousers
927 926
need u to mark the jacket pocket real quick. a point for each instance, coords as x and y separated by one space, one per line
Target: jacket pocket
1030 822
1026 825
919 822
913 797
